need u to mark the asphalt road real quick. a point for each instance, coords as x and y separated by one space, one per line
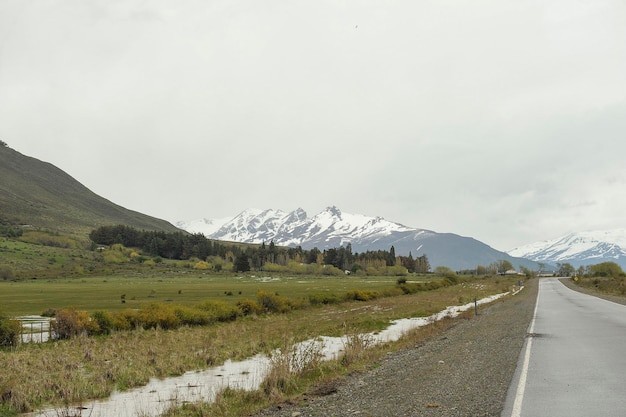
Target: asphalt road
574 359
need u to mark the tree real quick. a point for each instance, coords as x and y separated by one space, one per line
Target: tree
606 269
541 265
422 265
504 265
3 144
391 259
565 270
241 263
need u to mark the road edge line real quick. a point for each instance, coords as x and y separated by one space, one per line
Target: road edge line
521 386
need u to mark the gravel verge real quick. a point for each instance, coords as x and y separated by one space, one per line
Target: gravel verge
464 371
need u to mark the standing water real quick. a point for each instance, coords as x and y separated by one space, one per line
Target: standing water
35 329
160 394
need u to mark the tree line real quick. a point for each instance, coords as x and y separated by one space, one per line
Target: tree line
182 246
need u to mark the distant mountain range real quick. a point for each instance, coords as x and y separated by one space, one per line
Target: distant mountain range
41 195
582 248
37 193
332 228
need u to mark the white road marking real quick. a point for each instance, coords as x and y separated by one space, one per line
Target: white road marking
521 386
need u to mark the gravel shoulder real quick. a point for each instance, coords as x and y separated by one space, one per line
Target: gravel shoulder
464 371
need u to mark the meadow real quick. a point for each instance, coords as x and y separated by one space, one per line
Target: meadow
79 369
113 293
39 278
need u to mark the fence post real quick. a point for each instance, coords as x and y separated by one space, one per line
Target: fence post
475 306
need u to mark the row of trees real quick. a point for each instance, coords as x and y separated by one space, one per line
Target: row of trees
246 257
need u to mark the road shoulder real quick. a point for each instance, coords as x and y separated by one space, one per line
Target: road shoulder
465 371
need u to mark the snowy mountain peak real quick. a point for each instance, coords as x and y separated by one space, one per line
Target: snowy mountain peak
332 228
581 248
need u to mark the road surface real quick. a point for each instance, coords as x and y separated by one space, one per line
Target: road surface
574 359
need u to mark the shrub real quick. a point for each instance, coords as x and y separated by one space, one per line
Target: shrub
274 303
191 316
296 267
202 265
361 295
158 315
6 273
126 320
249 307
397 270
332 271
323 298
10 331
272 267
71 323
219 310
105 321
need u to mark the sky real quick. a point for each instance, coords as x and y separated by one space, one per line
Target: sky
500 120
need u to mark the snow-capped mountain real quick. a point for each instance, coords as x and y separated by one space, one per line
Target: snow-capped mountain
582 248
205 226
333 228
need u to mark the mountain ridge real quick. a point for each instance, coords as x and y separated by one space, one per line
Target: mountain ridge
578 248
39 194
333 228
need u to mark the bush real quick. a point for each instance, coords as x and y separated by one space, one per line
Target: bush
192 316
202 265
249 307
10 331
332 271
323 298
361 295
71 323
397 270
6 273
272 267
158 315
105 321
274 303
126 320
219 310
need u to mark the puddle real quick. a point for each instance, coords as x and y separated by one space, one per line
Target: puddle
35 329
160 394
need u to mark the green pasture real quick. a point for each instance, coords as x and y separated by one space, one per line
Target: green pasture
105 292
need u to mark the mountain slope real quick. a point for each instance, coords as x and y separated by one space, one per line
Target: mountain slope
582 248
332 228
39 194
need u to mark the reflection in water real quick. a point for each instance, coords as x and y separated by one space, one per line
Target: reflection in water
160 394
35 329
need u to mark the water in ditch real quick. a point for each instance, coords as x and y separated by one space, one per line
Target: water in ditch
160 394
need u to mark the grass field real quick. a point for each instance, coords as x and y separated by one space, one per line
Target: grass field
105 292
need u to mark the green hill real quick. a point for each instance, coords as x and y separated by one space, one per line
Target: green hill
39 194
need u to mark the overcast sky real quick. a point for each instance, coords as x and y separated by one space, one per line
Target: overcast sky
500 120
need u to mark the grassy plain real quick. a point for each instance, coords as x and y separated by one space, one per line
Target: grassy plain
76 370
189 288
38 278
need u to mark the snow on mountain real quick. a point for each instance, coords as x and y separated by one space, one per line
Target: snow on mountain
204 226
333 228
293 228
581 248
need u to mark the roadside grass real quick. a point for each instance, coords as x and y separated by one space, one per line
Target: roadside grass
84 368
323 379
606 285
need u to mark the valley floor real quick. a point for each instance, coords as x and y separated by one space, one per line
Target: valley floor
464 371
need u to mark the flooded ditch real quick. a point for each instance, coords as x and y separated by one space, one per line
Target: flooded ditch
160 394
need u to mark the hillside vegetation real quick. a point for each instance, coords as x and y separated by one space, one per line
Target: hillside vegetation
41 195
